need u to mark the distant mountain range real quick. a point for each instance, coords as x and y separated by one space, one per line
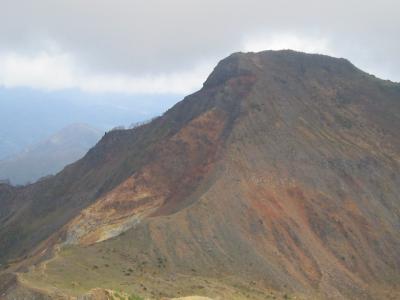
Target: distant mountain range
50 155
279 179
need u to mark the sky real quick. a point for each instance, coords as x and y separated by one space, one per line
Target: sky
169 47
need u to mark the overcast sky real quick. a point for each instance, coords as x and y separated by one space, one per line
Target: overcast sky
170 46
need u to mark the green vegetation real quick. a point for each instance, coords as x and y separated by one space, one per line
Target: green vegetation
135 297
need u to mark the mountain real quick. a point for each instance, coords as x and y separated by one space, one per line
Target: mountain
51 155
279 179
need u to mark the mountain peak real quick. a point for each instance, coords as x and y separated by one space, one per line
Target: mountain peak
259 63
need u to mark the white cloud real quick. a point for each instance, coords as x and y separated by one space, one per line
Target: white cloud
55 70
288 41
176 82
44 70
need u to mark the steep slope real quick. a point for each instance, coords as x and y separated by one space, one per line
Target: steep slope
281 173
51 155
47 205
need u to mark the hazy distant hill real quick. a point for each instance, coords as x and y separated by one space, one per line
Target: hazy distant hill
51 155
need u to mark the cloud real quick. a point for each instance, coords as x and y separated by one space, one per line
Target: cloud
183 82
42 71
288 41
169 46
49 70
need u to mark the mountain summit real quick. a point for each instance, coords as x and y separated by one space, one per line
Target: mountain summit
279 178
